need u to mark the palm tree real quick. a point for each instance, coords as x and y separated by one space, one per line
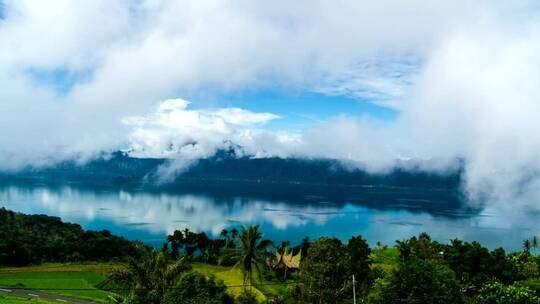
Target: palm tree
527 246
404 249
149 279
176 239
283 247
234 233
225 233
535 242
251 252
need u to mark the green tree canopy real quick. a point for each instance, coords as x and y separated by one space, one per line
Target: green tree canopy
497 293
326 272
418 281
196 288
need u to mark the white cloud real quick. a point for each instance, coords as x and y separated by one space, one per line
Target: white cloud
470 91
174 130
185 135
382 80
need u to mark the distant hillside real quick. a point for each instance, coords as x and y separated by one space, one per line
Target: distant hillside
121 169
30 239
277 178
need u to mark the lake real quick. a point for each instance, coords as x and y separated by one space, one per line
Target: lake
150 215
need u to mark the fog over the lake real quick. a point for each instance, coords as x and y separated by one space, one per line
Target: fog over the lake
81 77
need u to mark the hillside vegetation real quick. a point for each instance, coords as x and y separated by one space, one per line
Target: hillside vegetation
242 267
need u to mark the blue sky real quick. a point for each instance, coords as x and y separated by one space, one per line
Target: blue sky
301 109
60 80
297 109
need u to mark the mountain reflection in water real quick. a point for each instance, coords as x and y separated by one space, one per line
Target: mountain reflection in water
150 216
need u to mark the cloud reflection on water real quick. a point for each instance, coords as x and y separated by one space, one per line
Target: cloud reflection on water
150 216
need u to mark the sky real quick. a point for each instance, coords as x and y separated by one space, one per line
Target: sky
372 83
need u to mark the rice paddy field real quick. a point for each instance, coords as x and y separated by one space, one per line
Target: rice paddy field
81 281
9 299
70 280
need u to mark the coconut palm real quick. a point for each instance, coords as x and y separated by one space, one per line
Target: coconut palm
527 246
404 248
283 247
535 242
225 233
176 240
234 233
149 279
251 252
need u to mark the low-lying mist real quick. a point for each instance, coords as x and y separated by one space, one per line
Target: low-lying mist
81 78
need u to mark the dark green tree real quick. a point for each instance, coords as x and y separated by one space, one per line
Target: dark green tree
326 273
27 239
304 246
359 252
176 240
527 246
196 288
250 253
247 297
147 280
420 281
497 293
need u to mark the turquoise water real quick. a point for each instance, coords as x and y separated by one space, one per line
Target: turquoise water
150 216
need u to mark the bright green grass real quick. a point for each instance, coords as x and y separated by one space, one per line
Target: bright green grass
386 258
70 280
8 299
230 277
102 268
87 276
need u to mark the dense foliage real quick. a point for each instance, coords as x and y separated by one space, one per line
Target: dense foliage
422 281
416 270
497 293
192 243
196 288
149 279
30 239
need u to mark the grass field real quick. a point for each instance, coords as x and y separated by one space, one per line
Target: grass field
70 280
7 299
230 276
80 280
233 278
386 258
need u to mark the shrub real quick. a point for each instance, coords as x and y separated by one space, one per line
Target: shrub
422 281
195 288
497 293
247 297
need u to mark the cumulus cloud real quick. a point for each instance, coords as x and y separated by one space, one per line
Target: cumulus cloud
463 75
172 128
185 135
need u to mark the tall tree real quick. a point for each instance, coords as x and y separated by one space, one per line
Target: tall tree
234 233
359 252
251 252
326 273
422 281
527 246
149 279
535 242
176 240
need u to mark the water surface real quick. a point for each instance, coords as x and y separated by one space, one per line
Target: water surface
150 216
